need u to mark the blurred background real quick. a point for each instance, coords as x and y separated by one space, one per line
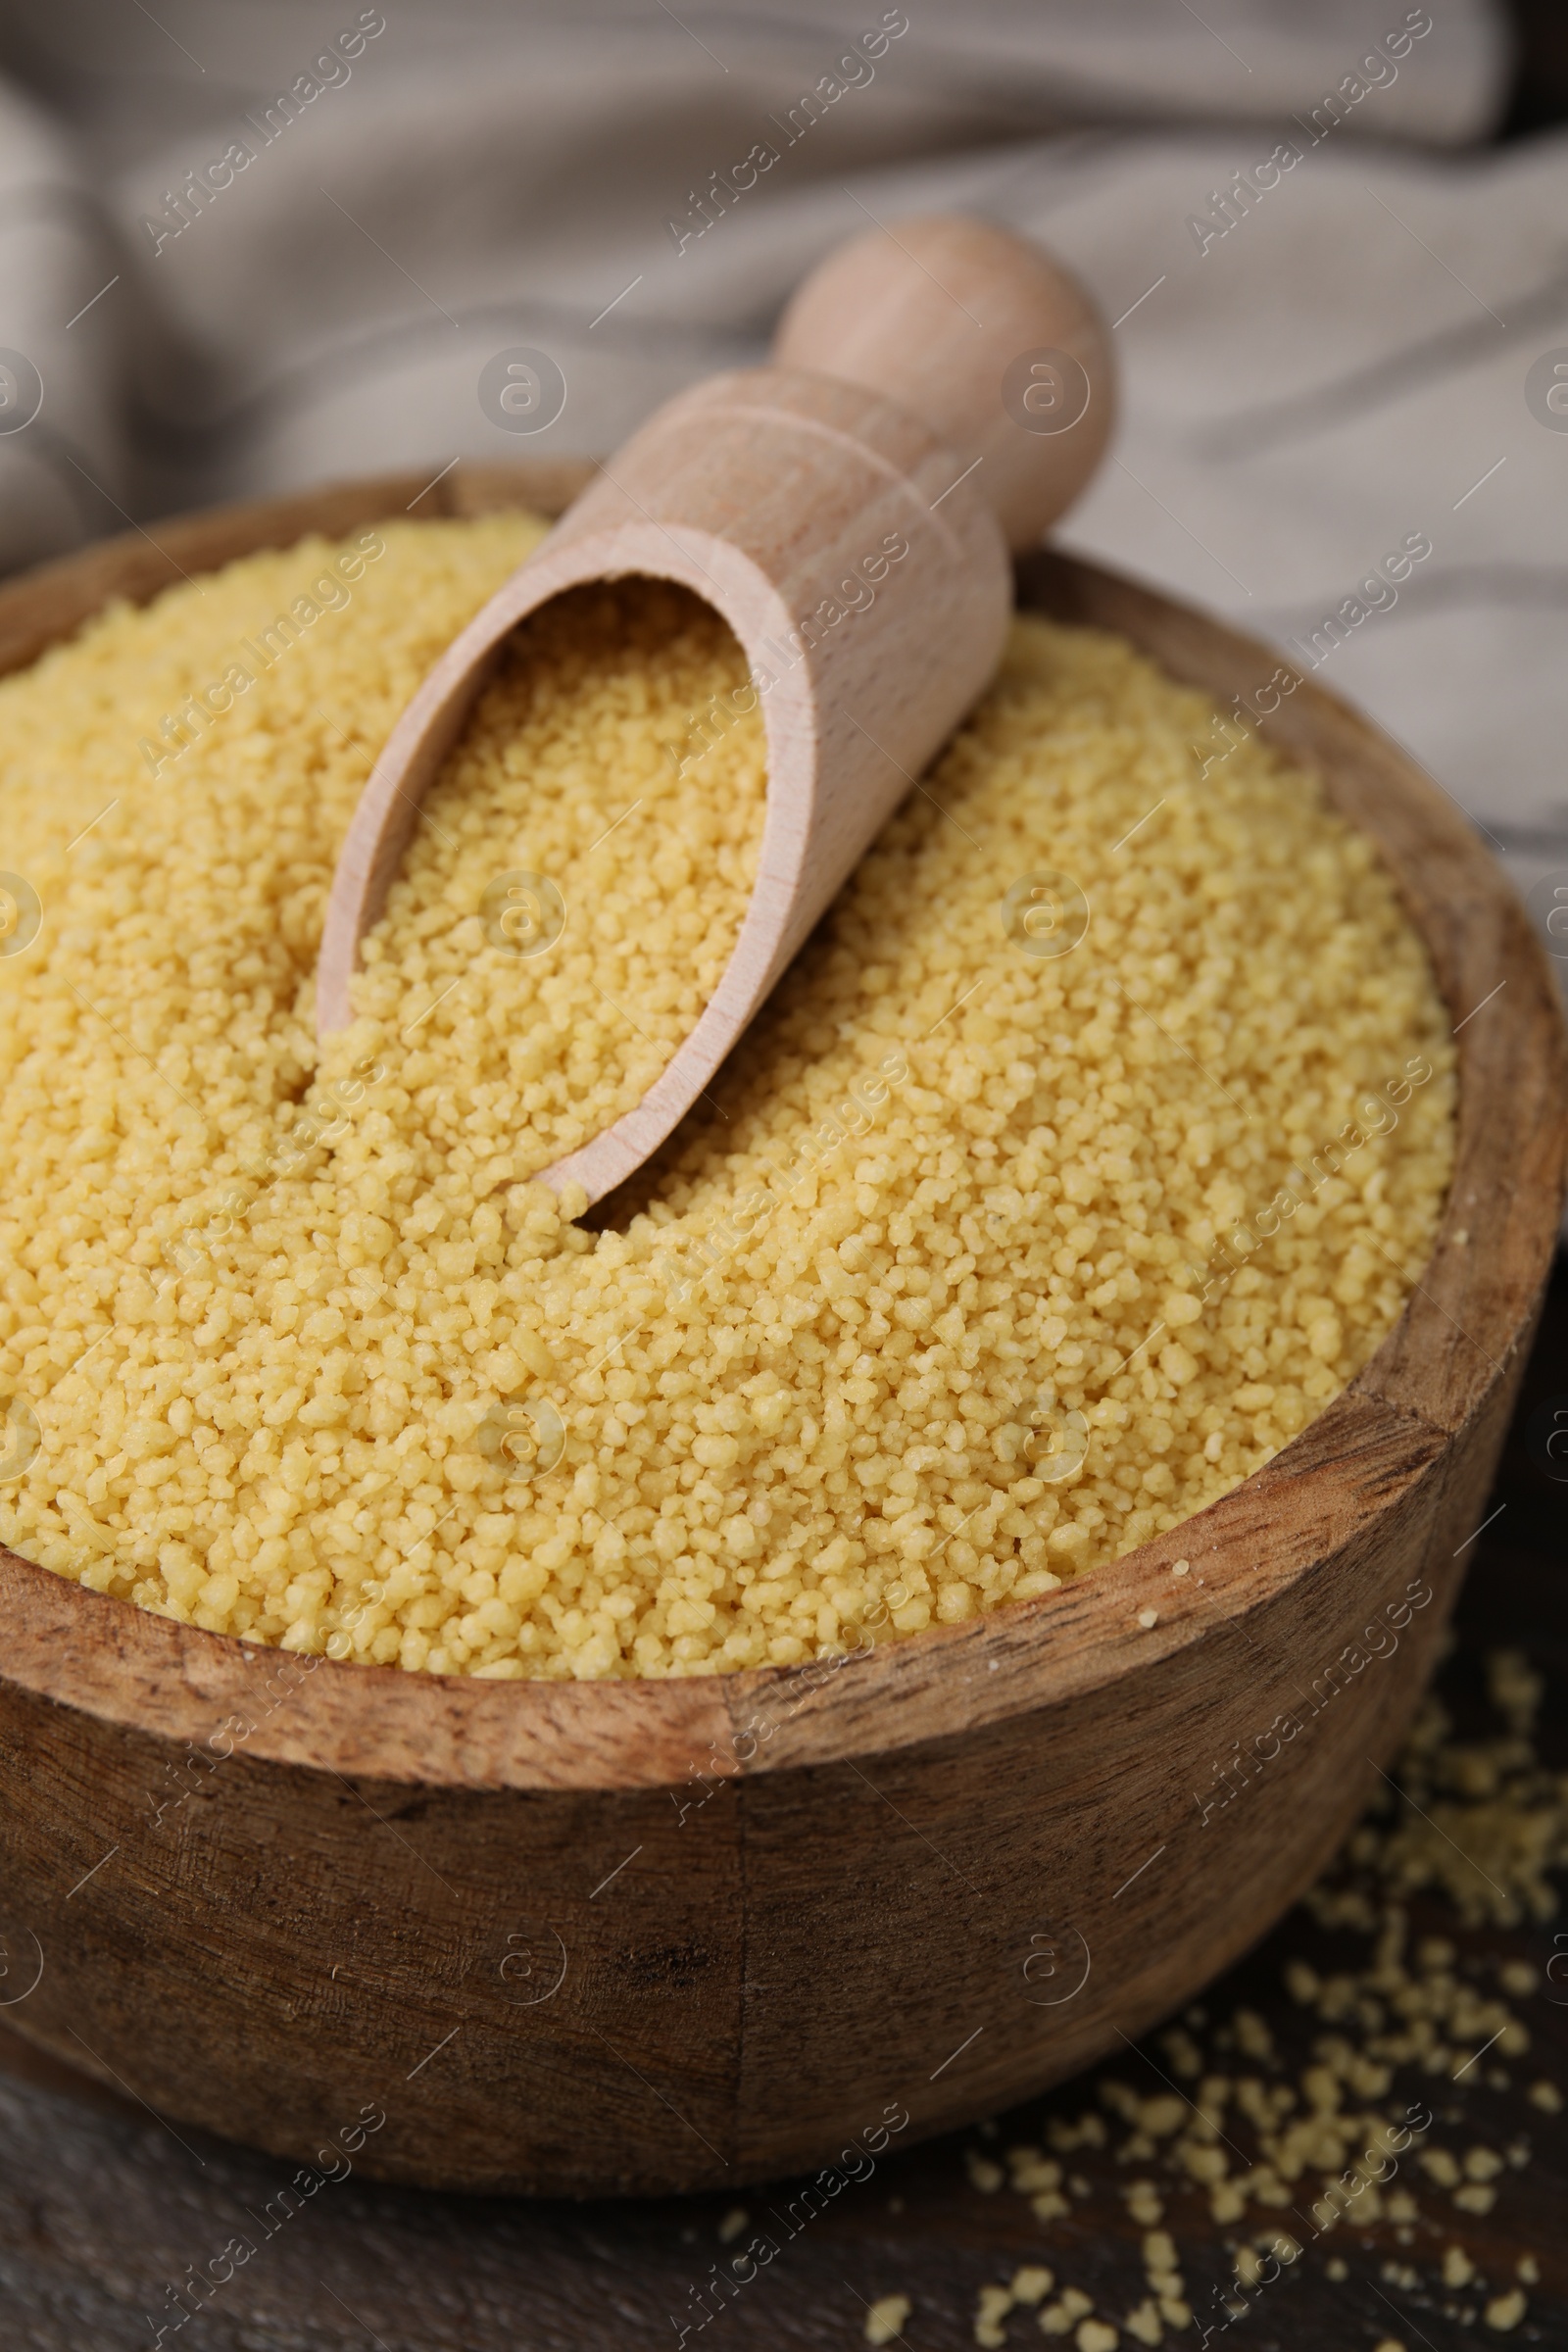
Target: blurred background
249 247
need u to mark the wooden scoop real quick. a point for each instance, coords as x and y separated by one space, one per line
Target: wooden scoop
940 393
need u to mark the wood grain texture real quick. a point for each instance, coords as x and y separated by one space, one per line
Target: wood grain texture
102 2207
968 326
804 503
777 1902
869 593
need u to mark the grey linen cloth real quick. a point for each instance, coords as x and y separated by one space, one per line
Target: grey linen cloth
244 249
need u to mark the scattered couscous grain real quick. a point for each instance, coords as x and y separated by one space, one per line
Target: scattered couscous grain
990 2318
1320 2120
1031 2284
885 2319
1069 2307
1087 1152
1096 2335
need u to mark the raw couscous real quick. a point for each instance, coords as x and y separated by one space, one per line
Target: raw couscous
1087 1151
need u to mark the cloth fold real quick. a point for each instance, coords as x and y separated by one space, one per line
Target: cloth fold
246 250
63 447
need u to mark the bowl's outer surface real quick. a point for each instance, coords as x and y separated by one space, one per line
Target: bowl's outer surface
643 1937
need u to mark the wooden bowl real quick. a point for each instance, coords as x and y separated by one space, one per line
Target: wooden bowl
640 1937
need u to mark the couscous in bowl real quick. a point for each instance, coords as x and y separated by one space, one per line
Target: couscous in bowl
676 1932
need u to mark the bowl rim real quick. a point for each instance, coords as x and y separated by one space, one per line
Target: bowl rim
1448 1360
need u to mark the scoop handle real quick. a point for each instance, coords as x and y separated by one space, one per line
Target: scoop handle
982 336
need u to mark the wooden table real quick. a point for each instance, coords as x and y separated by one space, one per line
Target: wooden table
105 2208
